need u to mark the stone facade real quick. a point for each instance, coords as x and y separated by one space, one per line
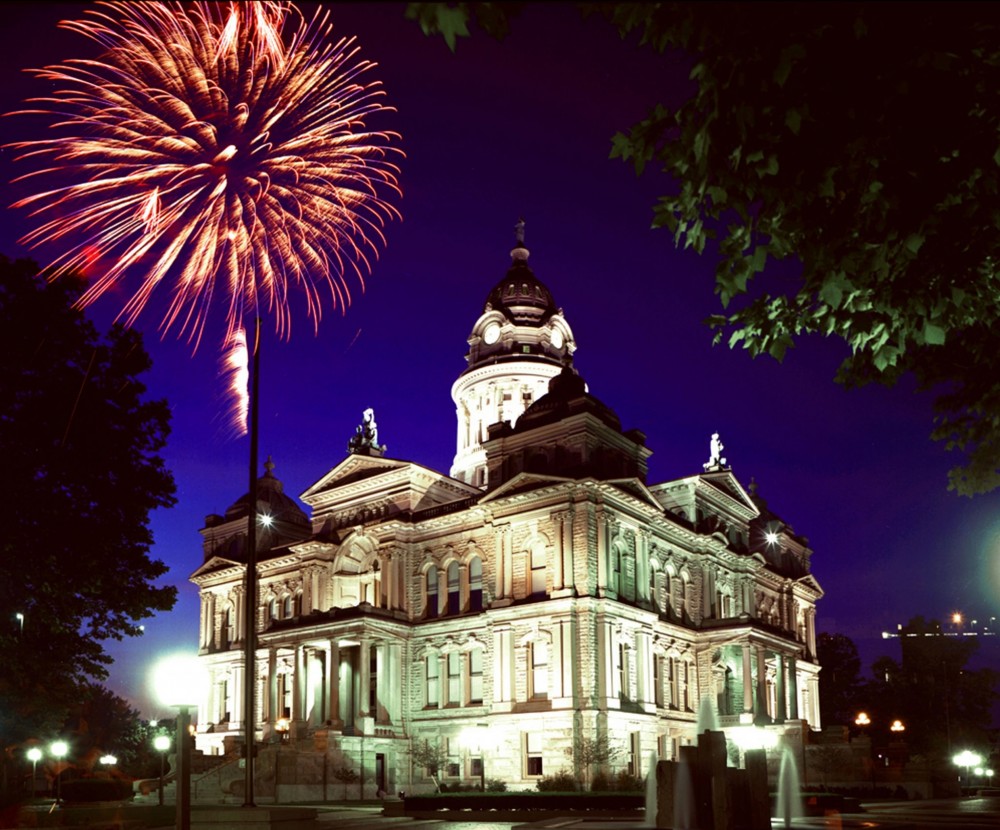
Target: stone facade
540 597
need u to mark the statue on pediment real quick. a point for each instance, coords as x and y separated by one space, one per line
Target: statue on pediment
365 438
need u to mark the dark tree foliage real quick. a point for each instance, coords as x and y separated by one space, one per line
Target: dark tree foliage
944 704
841 689
82 473
858 140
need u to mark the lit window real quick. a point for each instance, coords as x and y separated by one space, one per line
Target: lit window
539 670
533 754
433 684
454 679
538 568
476 676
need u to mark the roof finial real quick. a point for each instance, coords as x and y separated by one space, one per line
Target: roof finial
269 466
520 254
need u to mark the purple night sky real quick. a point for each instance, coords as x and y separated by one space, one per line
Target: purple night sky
523 128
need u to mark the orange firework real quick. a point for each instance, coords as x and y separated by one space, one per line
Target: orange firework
219 150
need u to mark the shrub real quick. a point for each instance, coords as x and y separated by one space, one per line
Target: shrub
345 775
600 783
96 789
496 785
625 782
561 781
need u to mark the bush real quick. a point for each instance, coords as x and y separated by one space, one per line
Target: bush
96 789
600 783
561 782
625 782
496 785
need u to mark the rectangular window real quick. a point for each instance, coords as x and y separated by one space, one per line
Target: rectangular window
454 679
539 670
476 676
623 671
634 755
658 679
533 754
433 684
476 767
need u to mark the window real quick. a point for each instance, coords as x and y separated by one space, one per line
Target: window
538 655
454 679
622 667
533 754
658 679
272 609
476 676
614 577
433 681
476 767
432 593
373 681
454 589
286 609
230 632
476 584
538 567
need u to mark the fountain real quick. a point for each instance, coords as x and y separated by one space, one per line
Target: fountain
708 717
649 819
683 812
789 803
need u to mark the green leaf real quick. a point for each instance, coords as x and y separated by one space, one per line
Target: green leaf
933 335
913 243
793 120
831 293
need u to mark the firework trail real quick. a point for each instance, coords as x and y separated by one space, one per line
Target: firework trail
235 373
217 152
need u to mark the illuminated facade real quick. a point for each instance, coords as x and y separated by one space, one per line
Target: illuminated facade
541 594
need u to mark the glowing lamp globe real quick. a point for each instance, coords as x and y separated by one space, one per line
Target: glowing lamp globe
180 680
34 755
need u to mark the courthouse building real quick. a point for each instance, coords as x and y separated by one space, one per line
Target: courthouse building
540 595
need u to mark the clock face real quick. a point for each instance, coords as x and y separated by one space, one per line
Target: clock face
491 334
556 339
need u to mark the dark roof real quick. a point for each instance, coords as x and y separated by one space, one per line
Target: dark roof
521 296
567 396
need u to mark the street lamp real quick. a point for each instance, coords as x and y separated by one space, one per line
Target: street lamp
862 720
897 726
968 760
179 682
59 749
161 743
34 755
108 760
478 740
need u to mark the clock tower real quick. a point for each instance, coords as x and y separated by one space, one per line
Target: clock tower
519 343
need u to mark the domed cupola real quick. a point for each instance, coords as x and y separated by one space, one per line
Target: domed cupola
280 521
520 341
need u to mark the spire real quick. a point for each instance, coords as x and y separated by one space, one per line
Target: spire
520 253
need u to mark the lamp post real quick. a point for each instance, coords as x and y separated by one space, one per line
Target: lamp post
161 743
281 726
179 681
34 755
59 750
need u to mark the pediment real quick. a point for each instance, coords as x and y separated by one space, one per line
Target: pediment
352 469
634 487
523 483
215 564
727 484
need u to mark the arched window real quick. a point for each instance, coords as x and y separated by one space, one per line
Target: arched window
538 567
475 584
431 584
272 609
286 607
615 569
433 681
454 589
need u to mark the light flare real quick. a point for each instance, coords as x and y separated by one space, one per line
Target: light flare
236 372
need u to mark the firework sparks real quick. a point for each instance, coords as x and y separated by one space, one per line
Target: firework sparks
236 373
216 149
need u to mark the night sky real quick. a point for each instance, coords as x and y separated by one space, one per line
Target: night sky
523 128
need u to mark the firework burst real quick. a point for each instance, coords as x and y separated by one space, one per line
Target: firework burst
217 150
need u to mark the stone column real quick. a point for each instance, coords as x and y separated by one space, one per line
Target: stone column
364 673
793 689
557 553
271 688
602 551
239 676
779 691
760 709
299 685
747 679
333 684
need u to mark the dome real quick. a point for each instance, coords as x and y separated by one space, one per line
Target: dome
271 499
520 296
567 396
